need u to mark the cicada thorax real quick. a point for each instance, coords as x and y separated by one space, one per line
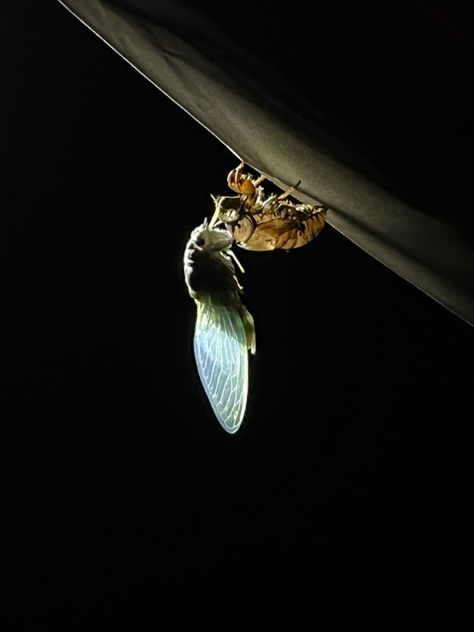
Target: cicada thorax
262 222
208 266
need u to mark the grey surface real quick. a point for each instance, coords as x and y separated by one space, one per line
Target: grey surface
184 56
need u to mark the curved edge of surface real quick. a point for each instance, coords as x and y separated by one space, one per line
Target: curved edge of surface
428 253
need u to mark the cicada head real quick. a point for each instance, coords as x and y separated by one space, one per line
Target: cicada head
240 182
211 239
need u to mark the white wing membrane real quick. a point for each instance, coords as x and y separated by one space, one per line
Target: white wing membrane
220 348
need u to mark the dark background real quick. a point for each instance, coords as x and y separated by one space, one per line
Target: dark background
122 497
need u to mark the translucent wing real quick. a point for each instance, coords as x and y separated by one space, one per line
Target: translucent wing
220 348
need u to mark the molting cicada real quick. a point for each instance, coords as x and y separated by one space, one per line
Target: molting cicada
259 221
224 329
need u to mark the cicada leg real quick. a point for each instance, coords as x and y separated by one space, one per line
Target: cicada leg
289 191
215 216
259 180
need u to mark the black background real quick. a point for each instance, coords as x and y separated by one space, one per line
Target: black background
122 497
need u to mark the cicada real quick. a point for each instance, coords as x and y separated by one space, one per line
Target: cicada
259 221
224 331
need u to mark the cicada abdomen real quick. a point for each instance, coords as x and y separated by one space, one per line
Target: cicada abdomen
262 222
224 329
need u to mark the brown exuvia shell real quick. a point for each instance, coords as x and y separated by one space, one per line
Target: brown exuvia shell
279 228
259 221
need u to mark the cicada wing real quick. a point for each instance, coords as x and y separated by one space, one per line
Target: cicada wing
220 348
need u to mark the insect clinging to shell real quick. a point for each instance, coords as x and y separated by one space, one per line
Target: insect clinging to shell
224 331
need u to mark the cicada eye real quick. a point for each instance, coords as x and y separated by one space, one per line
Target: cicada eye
200 241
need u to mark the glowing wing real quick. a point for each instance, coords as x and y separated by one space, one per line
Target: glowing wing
220 348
